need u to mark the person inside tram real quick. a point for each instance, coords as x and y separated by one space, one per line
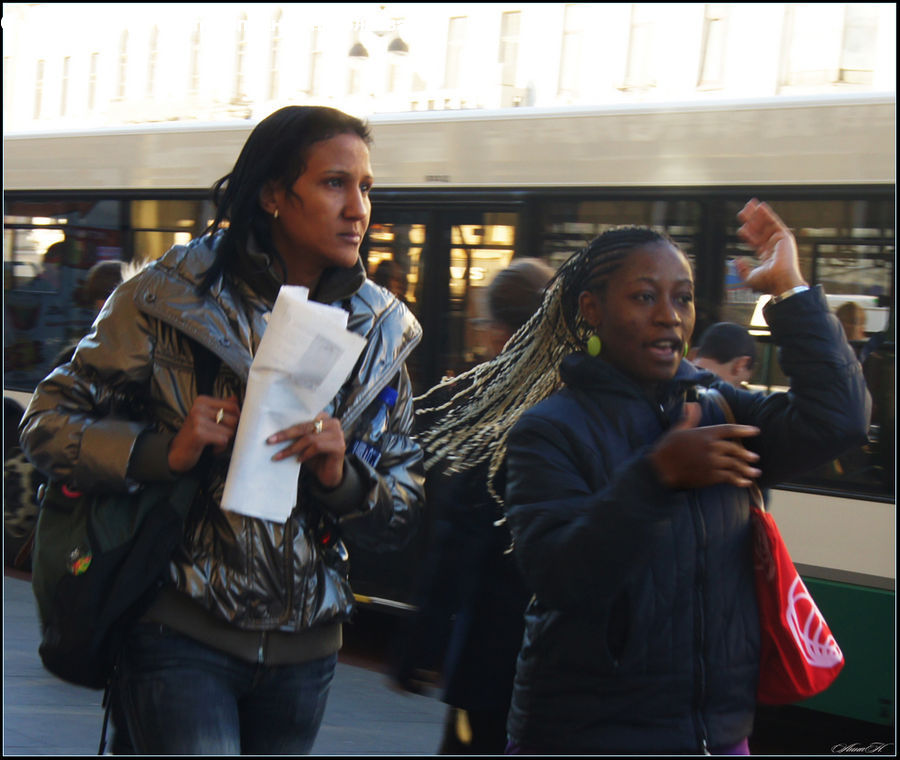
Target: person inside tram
20 479
391 275
866 463
469 621
102 279
853 320
627 493
230 658
728 350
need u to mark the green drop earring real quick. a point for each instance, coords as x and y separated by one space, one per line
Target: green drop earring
594 345
687 347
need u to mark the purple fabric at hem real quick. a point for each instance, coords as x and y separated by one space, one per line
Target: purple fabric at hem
741 748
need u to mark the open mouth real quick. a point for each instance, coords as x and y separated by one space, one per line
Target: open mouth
666 350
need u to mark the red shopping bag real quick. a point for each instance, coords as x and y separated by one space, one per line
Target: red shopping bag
799 656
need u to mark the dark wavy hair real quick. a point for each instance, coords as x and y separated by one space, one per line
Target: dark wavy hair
276 150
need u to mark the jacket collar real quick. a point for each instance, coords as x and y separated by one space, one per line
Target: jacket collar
593 374
259 270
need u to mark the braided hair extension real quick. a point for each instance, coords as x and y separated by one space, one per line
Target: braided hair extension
465 420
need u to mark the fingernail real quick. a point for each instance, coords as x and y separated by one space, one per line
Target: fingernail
272 438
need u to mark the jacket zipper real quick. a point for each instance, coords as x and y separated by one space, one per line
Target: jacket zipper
699 626
261 652
289 579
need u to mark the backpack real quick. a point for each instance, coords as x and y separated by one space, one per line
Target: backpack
100 558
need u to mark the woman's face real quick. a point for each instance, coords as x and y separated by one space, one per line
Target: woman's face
646 316
323 217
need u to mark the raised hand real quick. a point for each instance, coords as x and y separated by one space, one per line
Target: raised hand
776 249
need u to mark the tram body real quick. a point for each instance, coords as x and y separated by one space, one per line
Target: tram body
459 194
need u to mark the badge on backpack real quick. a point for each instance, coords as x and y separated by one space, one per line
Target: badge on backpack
79 561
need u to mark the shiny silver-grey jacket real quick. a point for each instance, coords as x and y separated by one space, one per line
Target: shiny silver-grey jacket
103 422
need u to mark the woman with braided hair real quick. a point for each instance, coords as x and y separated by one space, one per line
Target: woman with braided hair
626 494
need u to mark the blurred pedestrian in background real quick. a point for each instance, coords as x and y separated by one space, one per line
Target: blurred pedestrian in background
237 652
469 622
627 497
853 320
102 279
20 479
728 350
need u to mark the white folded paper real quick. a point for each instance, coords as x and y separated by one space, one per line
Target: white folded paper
305 355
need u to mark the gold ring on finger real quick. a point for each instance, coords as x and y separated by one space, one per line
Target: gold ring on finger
220 415
318 426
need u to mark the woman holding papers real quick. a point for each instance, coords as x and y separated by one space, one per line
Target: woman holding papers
237 652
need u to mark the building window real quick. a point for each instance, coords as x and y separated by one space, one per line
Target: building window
509 47
194 76
712 54
240 55
354 80
64 86
858 43
276 55
570 58
8 79
808 56
456 37
123 64
393 75
315 62
151 61
92 82
39 89
639 66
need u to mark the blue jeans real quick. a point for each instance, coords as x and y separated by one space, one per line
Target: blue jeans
182 697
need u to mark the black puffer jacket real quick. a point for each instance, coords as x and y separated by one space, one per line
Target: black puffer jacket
643 634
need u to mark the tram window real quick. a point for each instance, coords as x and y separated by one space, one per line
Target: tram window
192 216
567 226
49 247
159 224
149 245
393 261
848 248
393 257
478 252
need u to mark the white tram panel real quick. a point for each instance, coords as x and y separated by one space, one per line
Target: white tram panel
773 141
158 157
846 140
838 538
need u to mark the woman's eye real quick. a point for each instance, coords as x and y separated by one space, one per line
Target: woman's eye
365 187
686 298
335 182
643 297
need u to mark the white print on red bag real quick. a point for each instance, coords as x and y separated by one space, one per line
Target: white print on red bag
809 628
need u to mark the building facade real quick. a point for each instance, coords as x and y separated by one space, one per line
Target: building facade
82 65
